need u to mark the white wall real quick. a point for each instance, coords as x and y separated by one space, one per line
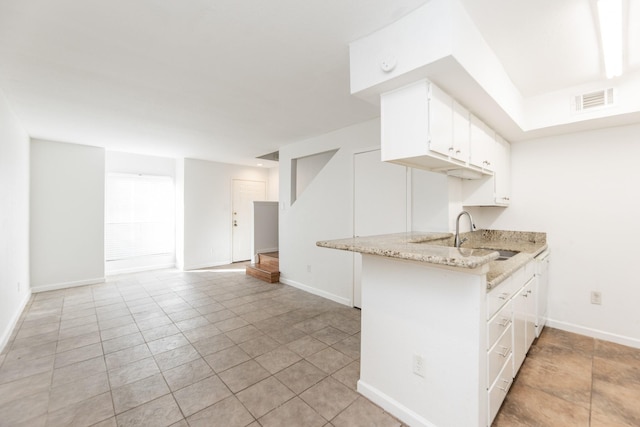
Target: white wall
67 215
273 184
324 211
206 198
14 220
118 162
582 189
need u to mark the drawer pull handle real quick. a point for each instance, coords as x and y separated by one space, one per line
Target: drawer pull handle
504 295
506 387
505 351
505 322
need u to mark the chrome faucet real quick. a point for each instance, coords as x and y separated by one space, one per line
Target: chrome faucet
457 241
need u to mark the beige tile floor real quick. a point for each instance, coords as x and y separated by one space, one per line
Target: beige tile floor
218 348
207 348
573 380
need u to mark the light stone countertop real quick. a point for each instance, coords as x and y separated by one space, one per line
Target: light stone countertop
437 249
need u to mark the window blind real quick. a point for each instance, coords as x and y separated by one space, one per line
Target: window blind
139 216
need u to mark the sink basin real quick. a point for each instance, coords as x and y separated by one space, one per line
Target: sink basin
504 254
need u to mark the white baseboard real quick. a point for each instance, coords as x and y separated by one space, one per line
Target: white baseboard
315 291
206 265
65 285
594 333
392 406
6 334
139 269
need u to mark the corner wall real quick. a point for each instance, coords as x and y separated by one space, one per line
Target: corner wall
323 211
14 220
67 215
581 189
205 196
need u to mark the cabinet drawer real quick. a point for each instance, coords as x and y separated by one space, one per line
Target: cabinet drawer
498 296
498 324
499 390
498 356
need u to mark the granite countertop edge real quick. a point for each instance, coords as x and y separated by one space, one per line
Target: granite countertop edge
437 249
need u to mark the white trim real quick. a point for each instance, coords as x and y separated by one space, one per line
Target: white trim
205 265
6 334
594 333
139 269
392 406
316 291
65 285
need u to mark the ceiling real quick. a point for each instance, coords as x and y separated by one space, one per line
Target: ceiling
230 80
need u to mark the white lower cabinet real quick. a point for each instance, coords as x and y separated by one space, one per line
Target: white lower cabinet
499 389
511 329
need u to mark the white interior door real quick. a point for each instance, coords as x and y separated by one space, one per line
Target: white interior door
380 203
244 194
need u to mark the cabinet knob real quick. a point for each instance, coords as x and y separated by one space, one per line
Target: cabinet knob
507 386
458 151
450 149
505 351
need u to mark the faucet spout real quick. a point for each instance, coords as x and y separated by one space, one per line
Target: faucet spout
459 241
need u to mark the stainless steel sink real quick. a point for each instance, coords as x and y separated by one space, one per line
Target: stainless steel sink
503 254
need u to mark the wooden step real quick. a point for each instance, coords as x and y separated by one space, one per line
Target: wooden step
269 258
266 273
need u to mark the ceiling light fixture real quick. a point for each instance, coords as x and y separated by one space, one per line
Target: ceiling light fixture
610 17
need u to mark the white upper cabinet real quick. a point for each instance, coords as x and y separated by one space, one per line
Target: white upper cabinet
461 132
420 128
440 121
492 190
482 145
425 128
502 171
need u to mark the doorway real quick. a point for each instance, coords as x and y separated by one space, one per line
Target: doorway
244 194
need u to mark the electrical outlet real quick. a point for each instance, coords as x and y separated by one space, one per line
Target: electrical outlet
308 269
596 297
418 365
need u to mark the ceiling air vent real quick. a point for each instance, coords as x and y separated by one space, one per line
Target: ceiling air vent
598 99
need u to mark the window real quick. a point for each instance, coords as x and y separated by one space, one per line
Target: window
139 216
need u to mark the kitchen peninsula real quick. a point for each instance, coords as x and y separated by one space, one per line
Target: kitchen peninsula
445 329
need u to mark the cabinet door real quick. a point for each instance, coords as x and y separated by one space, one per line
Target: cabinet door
519 329
542 286
524 325
482 145
502 171
440 122
404 117
461 132
530 313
